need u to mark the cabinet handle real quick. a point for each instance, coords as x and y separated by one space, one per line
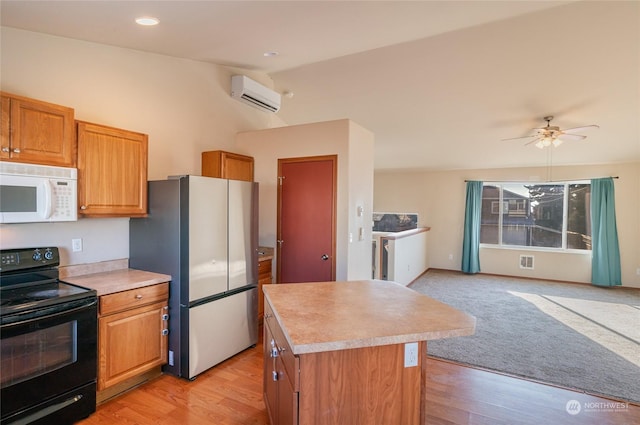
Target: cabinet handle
165 332
138 297
83 207
165 317
16 150
274 375
268 315
5 149
274 352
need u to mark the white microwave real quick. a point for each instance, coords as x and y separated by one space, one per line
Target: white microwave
37 193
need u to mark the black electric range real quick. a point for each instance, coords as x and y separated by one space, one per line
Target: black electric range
48 335
29 282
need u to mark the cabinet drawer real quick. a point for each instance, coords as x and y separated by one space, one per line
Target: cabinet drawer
289 360
132 298
264 269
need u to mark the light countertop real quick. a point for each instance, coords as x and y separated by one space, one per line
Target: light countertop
328 316
117 280
265 253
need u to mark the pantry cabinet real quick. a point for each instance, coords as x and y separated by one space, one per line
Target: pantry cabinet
132 335
112 171
227 165
37 132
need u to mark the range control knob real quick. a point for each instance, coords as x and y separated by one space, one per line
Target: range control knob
48 254
37 255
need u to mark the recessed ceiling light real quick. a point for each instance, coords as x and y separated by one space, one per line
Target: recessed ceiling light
270 54
147 21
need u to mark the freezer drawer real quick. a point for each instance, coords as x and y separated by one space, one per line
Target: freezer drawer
221 328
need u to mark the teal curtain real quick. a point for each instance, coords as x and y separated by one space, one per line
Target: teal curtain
471 240
605 262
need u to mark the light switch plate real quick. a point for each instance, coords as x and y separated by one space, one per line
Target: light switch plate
76 245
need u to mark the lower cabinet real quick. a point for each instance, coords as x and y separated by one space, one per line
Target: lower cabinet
281 371
132 335
264 278
366 385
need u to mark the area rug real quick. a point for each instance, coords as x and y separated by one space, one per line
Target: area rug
572 335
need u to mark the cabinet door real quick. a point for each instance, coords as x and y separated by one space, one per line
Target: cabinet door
5 111
264 278
227 165
131 343
112 171
39 132
270 377
279 395
287 398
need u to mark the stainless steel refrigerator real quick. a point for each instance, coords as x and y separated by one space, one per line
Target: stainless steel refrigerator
203 231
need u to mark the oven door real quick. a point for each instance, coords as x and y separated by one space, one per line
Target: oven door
47 353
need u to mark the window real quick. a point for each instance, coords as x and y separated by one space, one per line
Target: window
546 215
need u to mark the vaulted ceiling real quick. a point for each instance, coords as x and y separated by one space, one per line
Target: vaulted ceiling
440 83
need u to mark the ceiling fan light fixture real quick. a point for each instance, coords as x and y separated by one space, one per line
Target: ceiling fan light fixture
545 142
556 142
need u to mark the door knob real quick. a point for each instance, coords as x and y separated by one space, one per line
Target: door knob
324 257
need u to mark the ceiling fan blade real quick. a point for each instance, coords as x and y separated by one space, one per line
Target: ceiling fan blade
523 137
574 129
568 137
533 141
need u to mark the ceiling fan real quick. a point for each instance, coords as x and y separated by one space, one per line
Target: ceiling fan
552 135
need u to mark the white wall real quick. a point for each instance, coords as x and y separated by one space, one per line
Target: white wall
355 182
184 106
439 198
407 257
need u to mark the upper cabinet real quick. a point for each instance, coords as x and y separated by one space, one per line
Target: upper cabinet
112 171
37 132
227 165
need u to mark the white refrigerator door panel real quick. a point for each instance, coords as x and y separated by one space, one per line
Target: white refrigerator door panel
207 237
240 246
221 329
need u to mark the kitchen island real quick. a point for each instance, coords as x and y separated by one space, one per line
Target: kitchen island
351 352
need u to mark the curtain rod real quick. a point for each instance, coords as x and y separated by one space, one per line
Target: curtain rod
529 181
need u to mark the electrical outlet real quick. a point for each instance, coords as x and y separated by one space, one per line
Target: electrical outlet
410 354
76 245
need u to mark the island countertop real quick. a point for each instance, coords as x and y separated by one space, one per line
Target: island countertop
328 316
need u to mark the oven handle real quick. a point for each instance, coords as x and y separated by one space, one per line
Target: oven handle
51 312
46 411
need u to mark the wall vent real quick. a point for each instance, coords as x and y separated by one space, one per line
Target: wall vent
526 262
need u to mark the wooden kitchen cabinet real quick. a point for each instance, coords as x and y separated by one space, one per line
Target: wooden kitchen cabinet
351 352
112 171
37 132
281 374
264 278
132 335
227 165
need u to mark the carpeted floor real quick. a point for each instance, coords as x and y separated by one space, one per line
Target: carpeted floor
573 335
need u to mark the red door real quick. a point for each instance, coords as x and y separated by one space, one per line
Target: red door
306 219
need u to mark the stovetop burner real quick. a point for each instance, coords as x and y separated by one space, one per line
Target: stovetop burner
29 297
29 281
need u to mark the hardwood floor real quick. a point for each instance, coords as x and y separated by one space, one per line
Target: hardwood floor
231 394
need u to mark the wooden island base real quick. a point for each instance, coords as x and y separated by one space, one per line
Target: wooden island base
334 353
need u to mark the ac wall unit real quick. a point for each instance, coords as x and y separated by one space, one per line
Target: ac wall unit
255 94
